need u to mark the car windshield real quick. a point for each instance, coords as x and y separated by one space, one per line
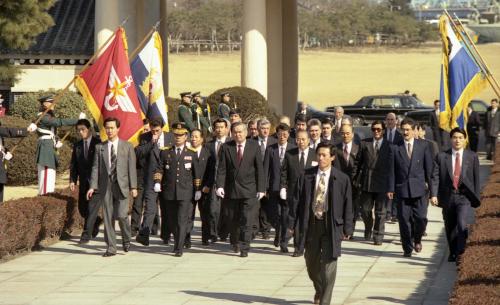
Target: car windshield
386 102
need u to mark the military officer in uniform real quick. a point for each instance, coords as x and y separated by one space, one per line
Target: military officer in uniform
176 180
185 113
46 158
201 113
224 106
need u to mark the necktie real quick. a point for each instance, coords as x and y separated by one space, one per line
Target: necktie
282 155
391 136
409 151
240 154
319 198
262 148
85 149
302 161
456 172
217 147
178 152
346 154
112 167
376 147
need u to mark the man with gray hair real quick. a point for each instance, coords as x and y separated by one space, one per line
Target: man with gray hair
339 114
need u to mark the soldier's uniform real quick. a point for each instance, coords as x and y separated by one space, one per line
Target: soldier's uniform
224 109
201 115
185 113
177 174
46 156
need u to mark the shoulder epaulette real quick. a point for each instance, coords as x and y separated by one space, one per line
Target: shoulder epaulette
191 149
165 147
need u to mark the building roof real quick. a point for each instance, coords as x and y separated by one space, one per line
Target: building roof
72 34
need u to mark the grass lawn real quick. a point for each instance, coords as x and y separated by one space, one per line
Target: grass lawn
329 78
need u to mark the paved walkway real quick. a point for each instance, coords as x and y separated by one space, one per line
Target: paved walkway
68 273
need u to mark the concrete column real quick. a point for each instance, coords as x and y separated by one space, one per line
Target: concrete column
254 52
106 21
165 49
274 55
139 21
290 57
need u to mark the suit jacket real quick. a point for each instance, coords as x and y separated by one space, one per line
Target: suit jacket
212 163
126 172
81 167
272 166
434 125
492 124
410 178
372 168
6 132
291 171
398 137
148 157
270 141
473 124
433 146
201 164
178 175
442 178
349 167
241 181
338 214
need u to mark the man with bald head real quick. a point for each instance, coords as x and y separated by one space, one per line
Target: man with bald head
392 135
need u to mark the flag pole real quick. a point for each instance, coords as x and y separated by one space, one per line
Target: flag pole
144 40
482 61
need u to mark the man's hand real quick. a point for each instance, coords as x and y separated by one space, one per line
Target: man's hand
260 195
133 192
220 192
32 127
197 195
157 187
72 186
283 194
347 237
390 195
206 190
434 201
90 193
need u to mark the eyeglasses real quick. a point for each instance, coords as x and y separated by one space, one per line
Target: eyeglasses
376 129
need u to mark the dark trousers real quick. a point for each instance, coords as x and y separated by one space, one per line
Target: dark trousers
2 186
321 267
214 206
137 209
356 206
150 220
140 208
243 215
473 141
490 147
455 223
265 222
115 207
178 213
278 211
370 200
89 210
204 208
412 213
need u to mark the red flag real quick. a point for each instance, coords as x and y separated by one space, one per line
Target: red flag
109 90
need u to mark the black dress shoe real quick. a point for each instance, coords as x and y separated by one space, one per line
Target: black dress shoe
143 240
394 219
134 233
283 249
205 243
452 258
108 254
276 241
178 254
265 235
83 241
235 248
126 247
187 244
243 254
418 247
407 254
297 254
223 239
368 235
166 241
377 243
97 224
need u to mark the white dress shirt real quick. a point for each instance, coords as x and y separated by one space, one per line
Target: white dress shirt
306 152
391 134
349 147
314 145
379 143
411 142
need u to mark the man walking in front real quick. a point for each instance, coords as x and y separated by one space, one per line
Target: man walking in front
325 217
113 177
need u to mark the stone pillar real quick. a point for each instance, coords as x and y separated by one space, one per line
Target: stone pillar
165 49
254 52
106 21
139 21
290 57
274 55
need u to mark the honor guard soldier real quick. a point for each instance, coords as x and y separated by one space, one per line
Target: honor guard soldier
46 157
177 182
224 106
201 113
185 113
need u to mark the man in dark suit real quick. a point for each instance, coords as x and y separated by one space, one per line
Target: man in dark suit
241 181
202 154
296 161
314 129
491 128
303 111
148 154
393 137
455 188
347 161
277 208
437 132
326 132
265 141
221 131
300 123
372 170
410 170
473 127
80 171
323 195
177 181
113 177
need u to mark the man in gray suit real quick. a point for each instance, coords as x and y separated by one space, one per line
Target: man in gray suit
113 177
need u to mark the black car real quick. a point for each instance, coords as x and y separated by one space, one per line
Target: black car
376 107
423 116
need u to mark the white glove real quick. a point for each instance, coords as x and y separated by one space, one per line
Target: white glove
82 115
59 144
157 188
210 129
260 195
197 195
7 156
32 127
283 194
220 192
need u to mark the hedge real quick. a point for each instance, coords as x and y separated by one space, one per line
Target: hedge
26 222
478 281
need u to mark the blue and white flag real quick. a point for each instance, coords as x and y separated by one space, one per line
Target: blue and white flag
147 69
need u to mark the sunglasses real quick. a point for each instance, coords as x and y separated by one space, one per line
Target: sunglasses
377 129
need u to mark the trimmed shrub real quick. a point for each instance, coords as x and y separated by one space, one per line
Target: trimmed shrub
26 222
21 170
